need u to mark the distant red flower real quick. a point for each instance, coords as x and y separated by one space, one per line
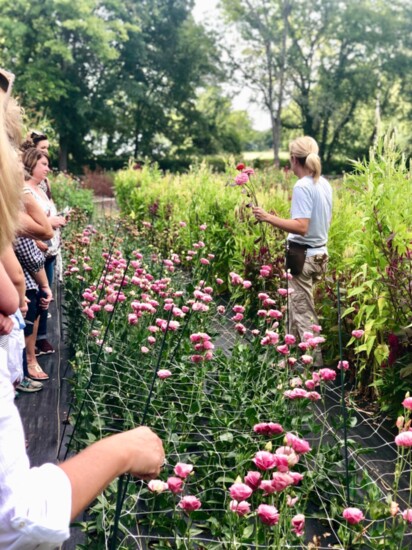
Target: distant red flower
240 166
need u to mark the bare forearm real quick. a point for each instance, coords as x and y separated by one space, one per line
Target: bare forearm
9 298
138 451
291 226
15 272
92 470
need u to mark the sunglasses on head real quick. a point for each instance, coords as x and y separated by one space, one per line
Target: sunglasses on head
37 136
6 81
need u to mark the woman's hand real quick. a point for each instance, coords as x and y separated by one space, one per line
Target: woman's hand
146 452
42 246
57 221
46 297
6 325
260 214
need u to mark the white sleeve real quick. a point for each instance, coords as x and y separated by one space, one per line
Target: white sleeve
43 508
302 203
35 503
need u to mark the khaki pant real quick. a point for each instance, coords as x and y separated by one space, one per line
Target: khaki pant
301 305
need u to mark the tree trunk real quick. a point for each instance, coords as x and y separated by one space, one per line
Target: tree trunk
63 153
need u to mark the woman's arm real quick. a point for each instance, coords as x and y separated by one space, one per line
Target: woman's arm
139 452
15 272
298 226
9 298
33 222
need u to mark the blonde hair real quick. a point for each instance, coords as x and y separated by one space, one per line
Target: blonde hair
11 180
14 122
306 151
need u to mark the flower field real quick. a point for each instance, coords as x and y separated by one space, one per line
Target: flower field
177 318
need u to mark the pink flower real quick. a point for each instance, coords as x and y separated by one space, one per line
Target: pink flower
316 328
343 365
282 291
358 333
157 486
296 393
310 385
240 508
163 373
407 515
283 349
268 514
268 428
301 446
296 476
240 491
314 396
190 504
291 501
290 339
249 171
219 281
353 515
306 359
265 460
144 349
237 318
267 487
407 403
175 484
247 284
327 374
241 179
404 439
203 227
182 224
298 524
253 479
241 329
183 470
281 480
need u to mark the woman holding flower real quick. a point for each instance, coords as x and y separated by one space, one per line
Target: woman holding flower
307 229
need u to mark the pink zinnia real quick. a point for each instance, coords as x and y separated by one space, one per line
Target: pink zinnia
407 515
327 374
301 446
240 491
281 480
353 515
407 403
241 179
298 524
343 365
404 439
268 514
240 508
265 460
182 470
253 479
163 374
358 333
175 484
190 504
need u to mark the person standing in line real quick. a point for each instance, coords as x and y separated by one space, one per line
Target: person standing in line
37 504
307 229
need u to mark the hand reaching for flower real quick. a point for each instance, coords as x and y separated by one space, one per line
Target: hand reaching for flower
260 214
